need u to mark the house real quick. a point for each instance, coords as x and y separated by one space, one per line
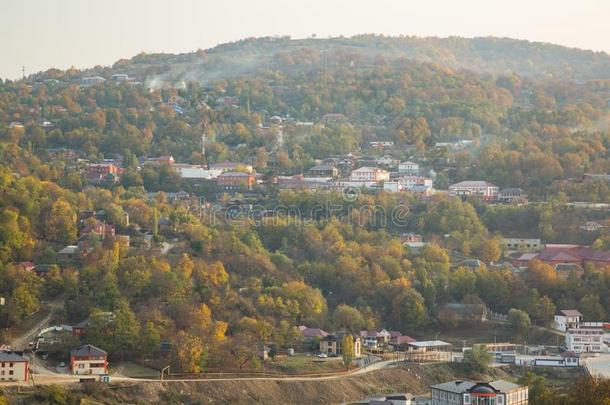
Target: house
381 144
331 345
567 318
387 160
472 264
160 160
574 254
400 343
120 77
564 270
235 181
92 81
369 175
102 230
586 337
374 339
232 166
69 254
333 118
522 244
462 313
591 226
88 360
410 237
14 367
310 334
100 172
512 196
323 171
409 168
416 184
194 172
460 392
483 189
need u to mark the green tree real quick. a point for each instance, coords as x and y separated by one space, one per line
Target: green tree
478 359
348 318
520 321
347 350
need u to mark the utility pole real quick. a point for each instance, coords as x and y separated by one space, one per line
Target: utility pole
23 72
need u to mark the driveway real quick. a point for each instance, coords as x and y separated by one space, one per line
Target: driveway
599 366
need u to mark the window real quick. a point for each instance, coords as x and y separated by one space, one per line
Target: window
10 372
81 365
10 364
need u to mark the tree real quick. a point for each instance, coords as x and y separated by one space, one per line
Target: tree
408 310
520 321
126 329
347 350
60 223
348 318
477 359
188 353
489 250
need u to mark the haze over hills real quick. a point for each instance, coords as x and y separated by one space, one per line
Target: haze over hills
482 55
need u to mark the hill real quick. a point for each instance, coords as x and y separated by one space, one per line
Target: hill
483 55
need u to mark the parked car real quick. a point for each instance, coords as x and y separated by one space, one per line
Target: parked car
322 356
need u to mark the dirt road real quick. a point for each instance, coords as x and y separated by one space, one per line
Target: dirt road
22 342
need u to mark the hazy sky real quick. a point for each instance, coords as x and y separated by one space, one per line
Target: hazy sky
41 34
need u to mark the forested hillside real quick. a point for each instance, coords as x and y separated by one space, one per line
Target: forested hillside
215 286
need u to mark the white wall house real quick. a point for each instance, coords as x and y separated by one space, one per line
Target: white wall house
369 174
567 318
409 168
482 189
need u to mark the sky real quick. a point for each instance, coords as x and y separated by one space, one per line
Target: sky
41 34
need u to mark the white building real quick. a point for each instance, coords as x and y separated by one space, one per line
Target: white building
92 81
370 174
567 318
197 172
523 244
416 184
410 168
481 189
586 337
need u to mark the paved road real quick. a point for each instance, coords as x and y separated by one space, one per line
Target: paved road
22 342
599 366
54 378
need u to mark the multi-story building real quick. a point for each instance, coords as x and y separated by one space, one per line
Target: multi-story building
483 189
415 184
88 360
13 367
323 171
331 345
586 337
235 180
523 244
408 168
98 172
369 175
498 392
512 196
567 318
